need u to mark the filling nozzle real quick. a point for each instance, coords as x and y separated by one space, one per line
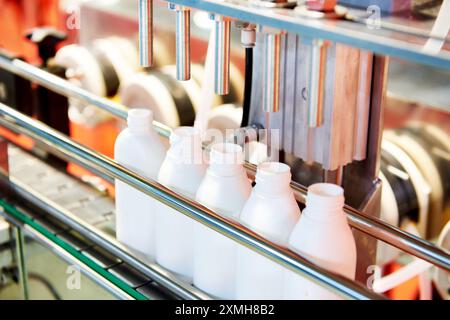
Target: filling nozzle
183 48
222 28
146 32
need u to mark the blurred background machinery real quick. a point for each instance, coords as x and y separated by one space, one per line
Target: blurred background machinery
359 93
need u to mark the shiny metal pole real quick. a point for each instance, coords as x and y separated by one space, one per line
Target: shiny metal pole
85 156
65 88
222 27
182 36
271 72
381 230
61 86
146 32
183 45
98 237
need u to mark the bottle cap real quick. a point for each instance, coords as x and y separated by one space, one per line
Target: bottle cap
139 118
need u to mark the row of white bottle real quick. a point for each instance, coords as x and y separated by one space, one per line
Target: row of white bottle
138 148
272 212
214 263
182 171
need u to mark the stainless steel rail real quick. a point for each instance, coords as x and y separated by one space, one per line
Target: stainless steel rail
65 88
85 156
370 225
153 271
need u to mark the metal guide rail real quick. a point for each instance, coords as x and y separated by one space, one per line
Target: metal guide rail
82 216
43 186
61 145
370 225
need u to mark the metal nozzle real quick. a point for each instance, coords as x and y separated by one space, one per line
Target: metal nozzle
316 82
146 32
271 80
183 48
222 56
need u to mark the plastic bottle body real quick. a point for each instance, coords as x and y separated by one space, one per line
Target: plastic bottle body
258 278
272 212
223 190
323 236
139 149
175 232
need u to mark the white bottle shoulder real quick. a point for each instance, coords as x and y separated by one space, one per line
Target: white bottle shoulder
331 245
273 218
142 152
225 195
182 178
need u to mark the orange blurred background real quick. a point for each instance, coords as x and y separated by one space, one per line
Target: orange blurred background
17 16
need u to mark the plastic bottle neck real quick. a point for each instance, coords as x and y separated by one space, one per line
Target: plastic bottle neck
324 201
186 146
140 121
226 159
273 179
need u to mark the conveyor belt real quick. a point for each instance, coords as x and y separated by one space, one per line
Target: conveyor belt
86 203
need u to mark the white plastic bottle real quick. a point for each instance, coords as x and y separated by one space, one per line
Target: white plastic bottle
272 212
323 236
140 149
182 171
224 189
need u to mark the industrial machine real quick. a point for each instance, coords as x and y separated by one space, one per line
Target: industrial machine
349 92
